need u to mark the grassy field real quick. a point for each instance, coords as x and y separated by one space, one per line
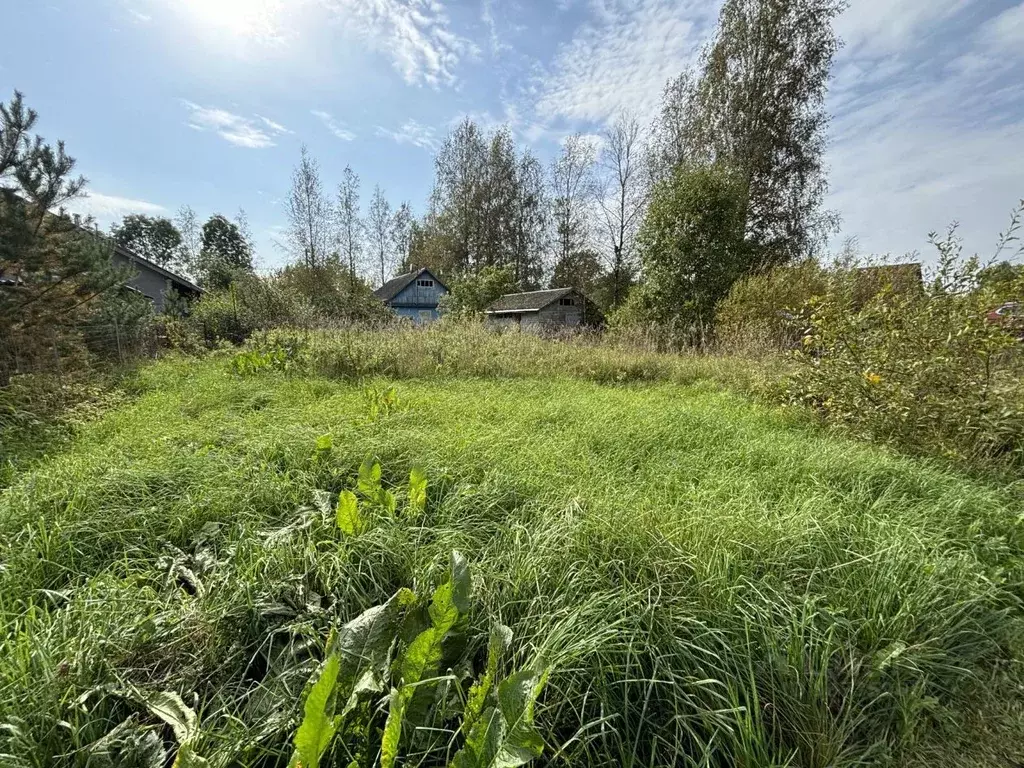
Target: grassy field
710 582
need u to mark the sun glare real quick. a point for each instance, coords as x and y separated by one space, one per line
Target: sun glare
241 18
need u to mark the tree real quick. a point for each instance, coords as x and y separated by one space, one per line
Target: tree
153 238
401 235
55 267
692 247
572 187
350 226
309 235
378 223
187 224
582 270
528 236
224 252
473 293
757 105
622 201
455 202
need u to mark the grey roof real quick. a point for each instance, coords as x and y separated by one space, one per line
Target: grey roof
131 255
397 284
532 301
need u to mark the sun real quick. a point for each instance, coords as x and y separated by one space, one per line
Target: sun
238 18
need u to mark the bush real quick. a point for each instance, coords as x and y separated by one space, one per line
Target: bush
923 369
765 311
296 297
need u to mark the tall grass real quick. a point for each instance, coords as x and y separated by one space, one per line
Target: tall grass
714 584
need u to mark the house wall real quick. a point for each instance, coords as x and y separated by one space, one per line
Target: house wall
418 303
417 296
418 315
147 282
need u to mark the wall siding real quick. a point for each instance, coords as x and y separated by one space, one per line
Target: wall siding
418 302
145 281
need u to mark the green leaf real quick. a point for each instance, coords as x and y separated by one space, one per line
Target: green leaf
391 739
187 758
318 722
324 443
516 698
347 513
417 489
462 592
369 476
483 743
364 645
168 706
506 737
387 500
501 637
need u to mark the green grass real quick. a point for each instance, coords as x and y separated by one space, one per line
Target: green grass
714 582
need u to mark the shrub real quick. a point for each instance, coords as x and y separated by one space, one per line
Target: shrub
765 311
924 369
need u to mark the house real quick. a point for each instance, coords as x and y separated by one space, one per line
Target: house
152 280
544 310
148 279
414 295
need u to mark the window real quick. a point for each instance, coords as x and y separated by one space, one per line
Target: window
425 283
567 302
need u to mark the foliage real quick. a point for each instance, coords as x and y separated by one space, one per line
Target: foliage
924 369
152 237
351 227
471 295
225 253
487 209
298 297
692 250
713 583
54 269
766 310
580 270
573 191
310 233
756 104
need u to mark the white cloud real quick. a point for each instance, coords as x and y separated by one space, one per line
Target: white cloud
108 208
882 27
414 133
935 137
415 34
252 133
338 129
276 127
1006 31
621 59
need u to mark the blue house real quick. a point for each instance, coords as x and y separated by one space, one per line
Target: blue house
414 295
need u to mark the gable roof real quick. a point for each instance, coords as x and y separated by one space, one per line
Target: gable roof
131 255
531 301
397 284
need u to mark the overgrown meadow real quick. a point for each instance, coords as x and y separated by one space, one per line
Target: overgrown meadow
256 565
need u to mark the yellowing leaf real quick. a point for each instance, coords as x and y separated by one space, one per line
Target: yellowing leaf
350 522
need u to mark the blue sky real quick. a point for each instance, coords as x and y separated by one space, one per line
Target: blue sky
206 102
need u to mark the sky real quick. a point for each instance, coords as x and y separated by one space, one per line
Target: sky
207 102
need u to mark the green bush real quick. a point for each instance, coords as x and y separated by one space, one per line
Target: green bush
765 311
923 369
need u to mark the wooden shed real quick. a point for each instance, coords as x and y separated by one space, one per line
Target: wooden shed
541 310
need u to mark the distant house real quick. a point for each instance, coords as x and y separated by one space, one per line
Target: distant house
414 295
541 310
148 279
152 280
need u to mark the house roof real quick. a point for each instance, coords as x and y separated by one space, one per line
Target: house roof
532 301
165 273
397 284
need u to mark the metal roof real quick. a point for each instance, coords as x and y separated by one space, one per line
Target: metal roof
532 301
397 284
